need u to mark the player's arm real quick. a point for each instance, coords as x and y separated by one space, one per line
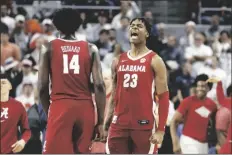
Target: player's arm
161 88
111 106
24 126
19 145
43 78
99 86
176 120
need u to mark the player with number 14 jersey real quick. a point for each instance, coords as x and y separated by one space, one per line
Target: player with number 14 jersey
69 64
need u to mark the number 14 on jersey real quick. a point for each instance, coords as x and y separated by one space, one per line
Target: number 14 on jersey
72 65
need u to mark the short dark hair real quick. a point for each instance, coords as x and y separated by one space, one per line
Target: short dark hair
4 28
67 20
104 31
229 90
226 32
145 22
203 77
3 76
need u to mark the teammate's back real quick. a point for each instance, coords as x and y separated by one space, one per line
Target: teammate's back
70 69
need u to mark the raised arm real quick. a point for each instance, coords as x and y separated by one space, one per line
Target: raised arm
110 111
161 88
220 93
99 86
219 90
43 78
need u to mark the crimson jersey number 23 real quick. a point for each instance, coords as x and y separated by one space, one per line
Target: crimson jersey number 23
72 66
130 80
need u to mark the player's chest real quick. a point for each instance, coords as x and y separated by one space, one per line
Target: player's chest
140 67
9 115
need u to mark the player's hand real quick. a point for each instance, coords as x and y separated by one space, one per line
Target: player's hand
157 137
213 80
100 133
18 146
176 148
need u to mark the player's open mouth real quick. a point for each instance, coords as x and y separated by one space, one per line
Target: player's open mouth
134 34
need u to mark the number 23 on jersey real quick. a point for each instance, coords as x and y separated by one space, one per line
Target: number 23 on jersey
130 80
72 66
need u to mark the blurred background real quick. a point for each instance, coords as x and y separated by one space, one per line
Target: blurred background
192 37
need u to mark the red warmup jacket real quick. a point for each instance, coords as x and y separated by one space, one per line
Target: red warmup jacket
13 116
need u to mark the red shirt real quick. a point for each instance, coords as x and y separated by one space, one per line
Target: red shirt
70 70
196 115
13 114
223 119
226 102
134 96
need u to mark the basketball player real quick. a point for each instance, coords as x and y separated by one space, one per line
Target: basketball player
13 115
130 115
226 102
69 64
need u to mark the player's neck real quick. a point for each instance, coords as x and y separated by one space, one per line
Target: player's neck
68 37
138 49
4 97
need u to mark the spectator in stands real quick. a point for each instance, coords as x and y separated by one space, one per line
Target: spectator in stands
198 53
34 29
122 34
128 9
183 83
8 49
109 57
213 32
149 17
173 51
103 43
212 69
27 75
102 24
225 60
5 18
27 95
15 76
222 44
85 28
161 27
37 123
38 49
188 39
48 28
112 37
18 36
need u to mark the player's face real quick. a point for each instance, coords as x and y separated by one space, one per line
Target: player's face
5 86
138 32
201 89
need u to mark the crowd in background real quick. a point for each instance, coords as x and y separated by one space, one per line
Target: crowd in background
186 57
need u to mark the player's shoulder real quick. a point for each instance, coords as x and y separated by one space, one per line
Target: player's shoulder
16 103
211 102
189 99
